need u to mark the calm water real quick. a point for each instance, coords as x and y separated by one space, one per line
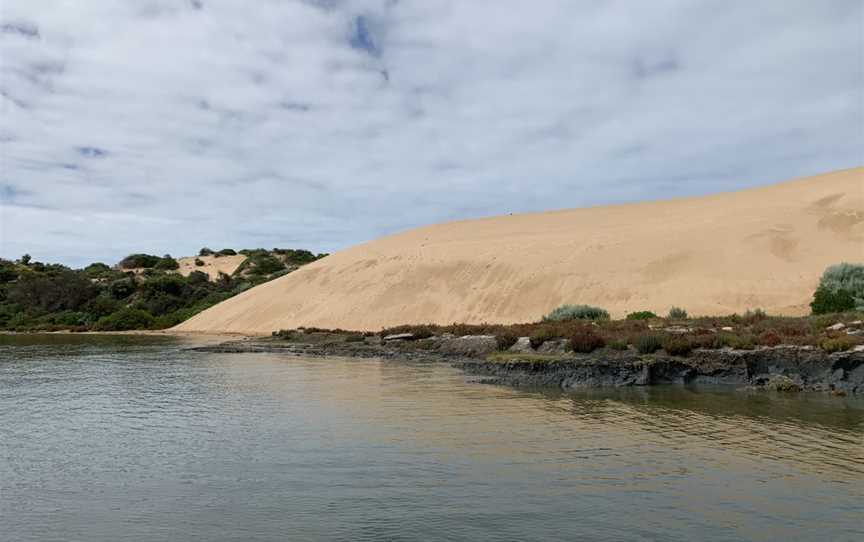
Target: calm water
105 439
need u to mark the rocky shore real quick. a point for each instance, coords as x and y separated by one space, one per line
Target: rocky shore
780 368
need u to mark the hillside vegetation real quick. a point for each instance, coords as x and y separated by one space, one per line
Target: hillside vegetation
142 291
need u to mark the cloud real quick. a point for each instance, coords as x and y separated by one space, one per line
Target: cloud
166 125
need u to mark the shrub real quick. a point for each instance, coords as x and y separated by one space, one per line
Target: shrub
506 339
677 346
199 262
648 344
167 263
708 342
227 252
617 344
586 340
125 319
576 312
848 277
839 344
205 252
677 313
826 300
738 342
641 315
541 335
769 337
136 261
750 317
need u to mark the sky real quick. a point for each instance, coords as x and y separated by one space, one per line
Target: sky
163 126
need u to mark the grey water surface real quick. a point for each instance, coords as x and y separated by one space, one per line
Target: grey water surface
136 438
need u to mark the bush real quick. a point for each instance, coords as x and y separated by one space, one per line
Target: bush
617 344
677 346
227 252
138 261
677 313
126 319
540 336
586 340
199 262
826 300
738 342
506 339
648 344
839 344
848 277
769 337
205 252
576 312
641 315
167 263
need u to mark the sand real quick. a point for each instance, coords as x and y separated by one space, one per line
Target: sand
713 255
212 265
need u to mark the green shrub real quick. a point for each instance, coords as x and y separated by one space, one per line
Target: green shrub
641 315
586 340
617 344
126 319
826 301
199 262
738 342
138 261
838 344
677 346
648 344
167 263
677 313
846 277
227 252
205 252
576 312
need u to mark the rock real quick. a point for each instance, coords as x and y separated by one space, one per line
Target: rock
859 348
856 323
558 346
469 345
677 330
522 346
782 383
399 337
855 332
727 328
836 327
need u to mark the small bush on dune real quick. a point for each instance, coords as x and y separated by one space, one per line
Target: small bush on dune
648 344
677 313
641 315
826 301
167 263
199 262
586 340
576 312
205 252
137 261
227 252
838 283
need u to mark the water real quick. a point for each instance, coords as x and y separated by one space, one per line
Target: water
118 438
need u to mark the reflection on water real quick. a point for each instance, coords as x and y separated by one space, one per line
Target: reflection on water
134 438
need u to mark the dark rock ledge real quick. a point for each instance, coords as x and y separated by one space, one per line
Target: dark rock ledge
781 368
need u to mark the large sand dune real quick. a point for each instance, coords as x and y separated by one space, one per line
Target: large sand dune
719 254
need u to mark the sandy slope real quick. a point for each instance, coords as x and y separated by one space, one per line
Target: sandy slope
212 265
725 253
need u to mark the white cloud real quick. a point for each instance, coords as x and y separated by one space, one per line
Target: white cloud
159 126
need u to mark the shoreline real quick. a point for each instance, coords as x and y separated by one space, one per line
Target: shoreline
779 368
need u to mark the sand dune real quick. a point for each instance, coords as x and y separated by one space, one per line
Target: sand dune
725 253
213 265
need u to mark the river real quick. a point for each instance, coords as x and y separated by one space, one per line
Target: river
106 438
